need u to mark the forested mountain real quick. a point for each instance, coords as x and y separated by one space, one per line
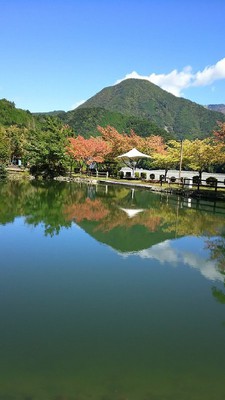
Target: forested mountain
41 140
10 115
132 104
143 99
84 121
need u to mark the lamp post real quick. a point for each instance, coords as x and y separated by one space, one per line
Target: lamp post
181 158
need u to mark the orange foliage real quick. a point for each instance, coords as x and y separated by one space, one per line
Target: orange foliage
118 143
155 144
220 133
121 143
96 210
91 210
120 218
88 150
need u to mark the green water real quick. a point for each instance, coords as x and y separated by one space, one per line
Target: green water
111 294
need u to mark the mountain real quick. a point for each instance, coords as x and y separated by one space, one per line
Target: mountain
217 107
84 121
132 104
10 115
142 99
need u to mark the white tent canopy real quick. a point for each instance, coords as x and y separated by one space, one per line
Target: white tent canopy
134 153
131 158
131 212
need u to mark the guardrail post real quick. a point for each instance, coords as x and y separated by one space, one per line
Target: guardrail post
216 183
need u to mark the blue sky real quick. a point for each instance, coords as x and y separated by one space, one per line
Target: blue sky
58 53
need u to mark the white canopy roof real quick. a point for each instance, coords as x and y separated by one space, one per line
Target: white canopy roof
132 212
134 153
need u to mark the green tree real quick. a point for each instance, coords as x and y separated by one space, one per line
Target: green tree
165 161
46 151
201 154
17 137
4 146
217 253
4 152
198 155
170 157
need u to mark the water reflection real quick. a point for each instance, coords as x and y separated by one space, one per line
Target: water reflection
216 247
100 303
129 221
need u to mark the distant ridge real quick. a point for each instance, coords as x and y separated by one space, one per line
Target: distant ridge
143 99
217 107
10 115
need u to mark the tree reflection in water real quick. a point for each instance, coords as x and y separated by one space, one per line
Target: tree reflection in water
217 253
159 319
58 205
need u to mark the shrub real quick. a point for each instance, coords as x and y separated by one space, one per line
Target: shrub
211 181
196 179
46 171
172 179
136 175
152 176
128 174
143 175
3 172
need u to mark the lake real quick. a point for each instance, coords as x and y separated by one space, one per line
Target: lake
110 293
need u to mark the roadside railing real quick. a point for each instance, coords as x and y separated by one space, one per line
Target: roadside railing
98 174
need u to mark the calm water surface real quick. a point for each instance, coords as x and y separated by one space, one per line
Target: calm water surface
109 293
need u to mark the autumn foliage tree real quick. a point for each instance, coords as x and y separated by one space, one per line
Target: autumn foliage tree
198 155
219 134
87 151
202 154
170 157
120 143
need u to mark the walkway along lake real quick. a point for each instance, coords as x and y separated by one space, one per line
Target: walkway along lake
111 293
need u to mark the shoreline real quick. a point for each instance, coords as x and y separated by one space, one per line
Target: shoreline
179 190
193 192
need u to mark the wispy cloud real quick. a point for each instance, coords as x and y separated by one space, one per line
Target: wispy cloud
176 81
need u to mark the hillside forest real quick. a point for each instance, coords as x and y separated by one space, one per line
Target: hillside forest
48 147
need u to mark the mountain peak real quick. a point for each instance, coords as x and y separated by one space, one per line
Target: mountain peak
143 99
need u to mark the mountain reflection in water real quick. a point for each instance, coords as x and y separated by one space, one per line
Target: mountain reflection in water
128 220
108 293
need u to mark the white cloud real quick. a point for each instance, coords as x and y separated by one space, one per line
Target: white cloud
210 74
168 252
175 81
163 252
